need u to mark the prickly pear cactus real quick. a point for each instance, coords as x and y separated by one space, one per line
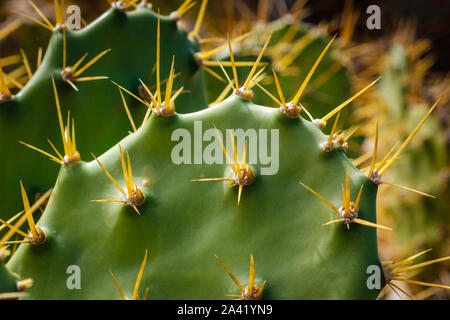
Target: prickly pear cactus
175 208
122 45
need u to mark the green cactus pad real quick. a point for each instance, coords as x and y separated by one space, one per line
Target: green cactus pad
184 223
97 108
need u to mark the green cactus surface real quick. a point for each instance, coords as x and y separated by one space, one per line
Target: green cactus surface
184 223
30 116
175 177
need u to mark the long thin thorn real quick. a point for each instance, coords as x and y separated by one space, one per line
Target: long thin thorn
328 203
280 92
251 276
222 95
127 110
331 222
57 12
133 95
344 199
122 296
213 179
110 177
358 198
83 79
26 63
299 93
409 189
213 73
169 85
23 219
241 186
295 50
64 49
12 227
370 224
139 277
233 65
198 23
244 156
42 151
11 220
349 132
210 40
333 130
347 190
230 274
130 182
210 53
325 76
177 93
158 52
152 97
271 96
427 284
124 168
77 64
393 285
387 156
12 295
72 85
225 150
236 162
425 294
405 144
13 81
345 103
252 72
33 20
17 242
109 200
39 58
185 7
58 109
236 63
420 265
28 213
145 294
91 62
261 288
226 75
258 76
10 28
375 149
407 260
308 113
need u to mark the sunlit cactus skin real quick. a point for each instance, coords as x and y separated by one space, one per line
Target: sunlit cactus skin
205 219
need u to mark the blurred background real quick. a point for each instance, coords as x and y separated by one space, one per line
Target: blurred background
410 52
